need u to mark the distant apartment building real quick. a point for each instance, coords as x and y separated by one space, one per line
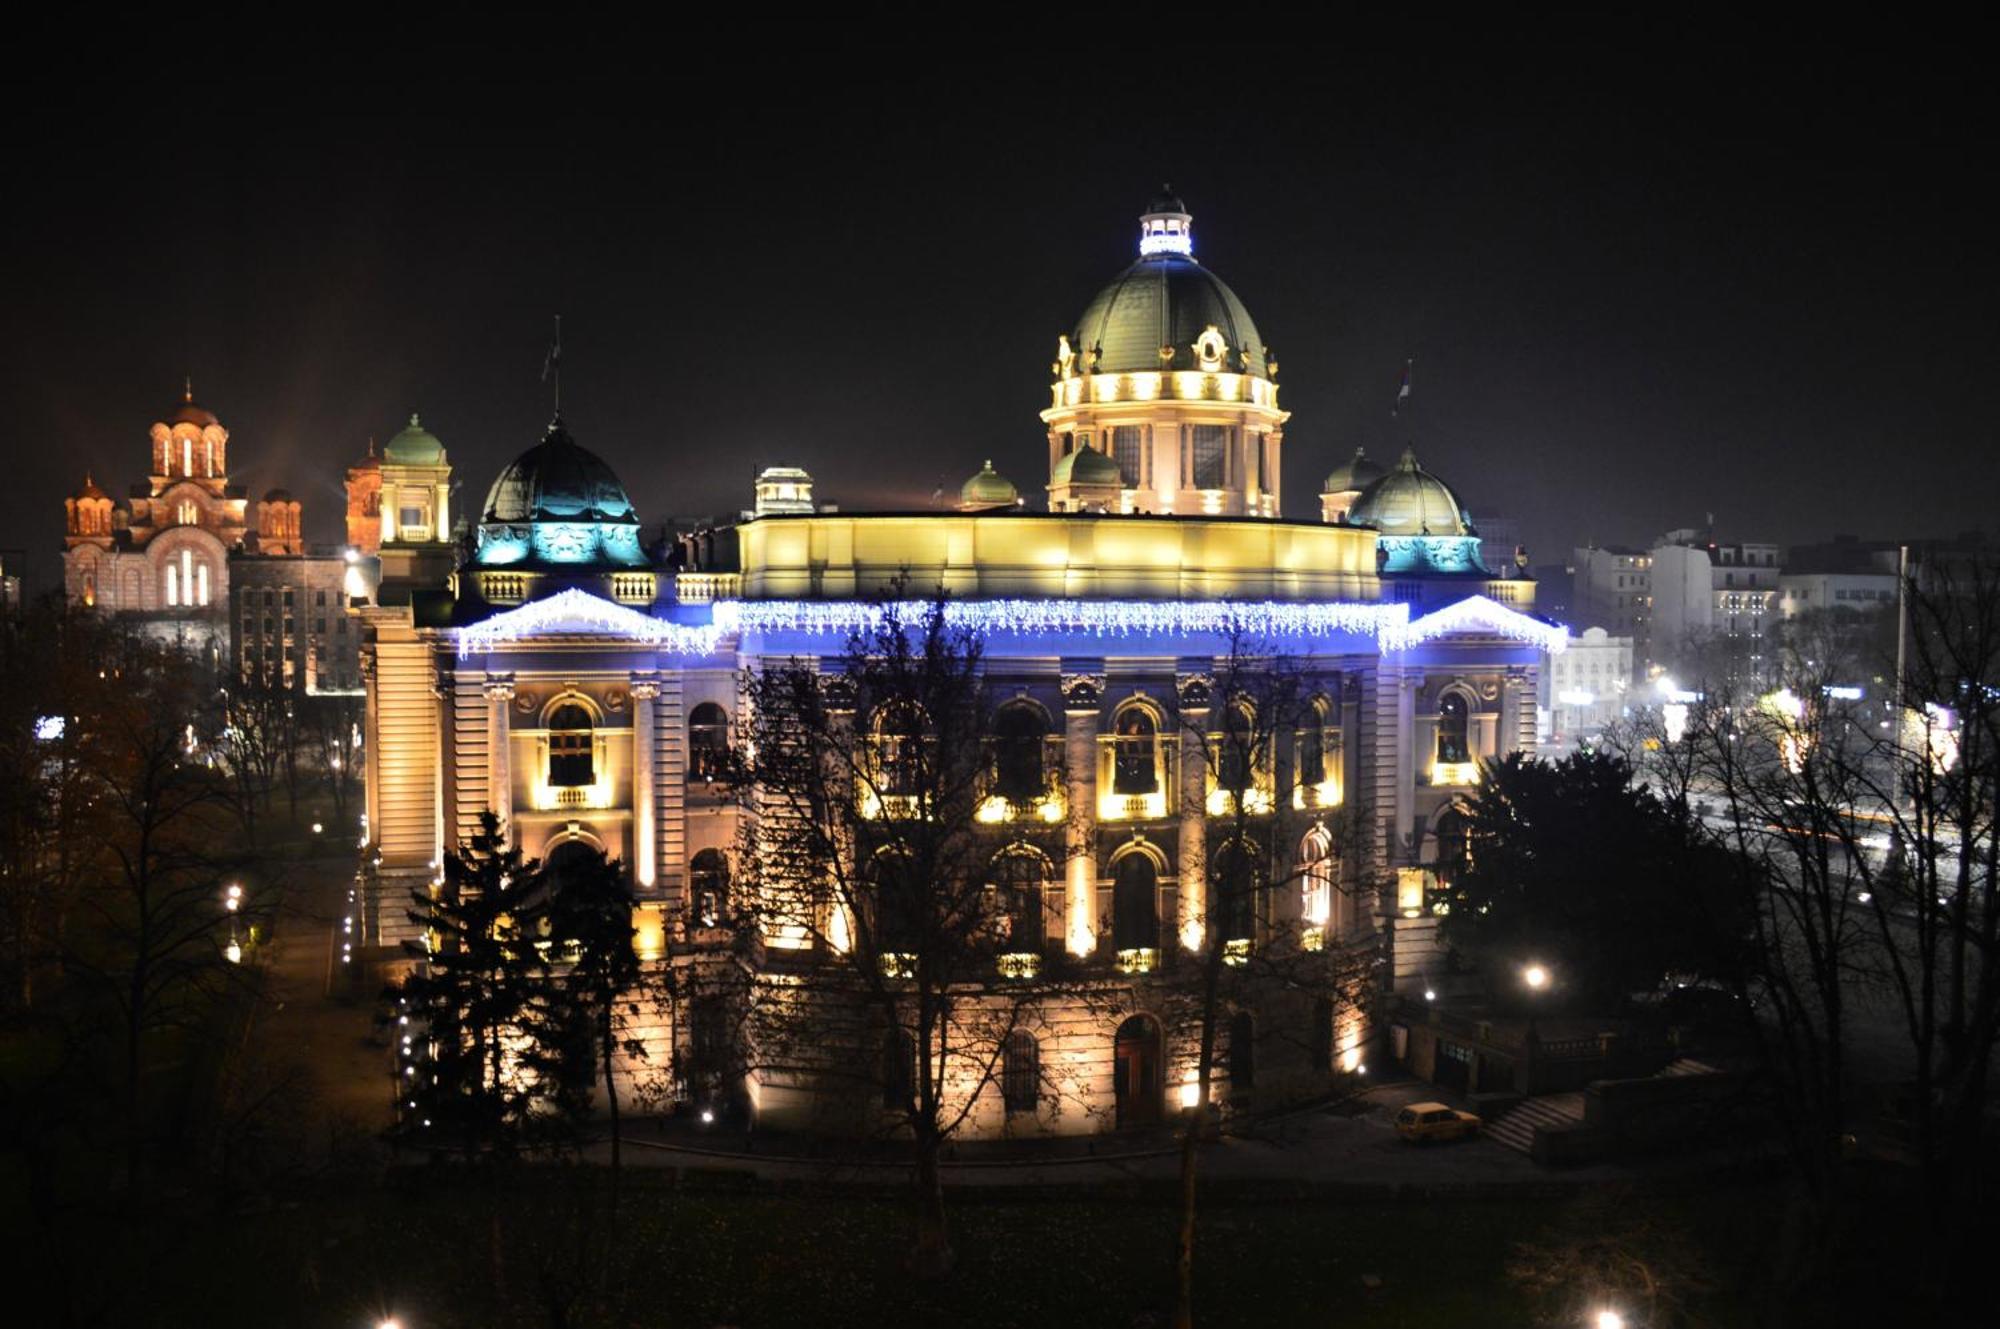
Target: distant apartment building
1611 587
1714 605
1841 574
289 622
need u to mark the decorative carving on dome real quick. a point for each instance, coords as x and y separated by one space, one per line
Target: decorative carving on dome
1210 349
1065 365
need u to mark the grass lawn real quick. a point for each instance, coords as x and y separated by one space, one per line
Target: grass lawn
424 1249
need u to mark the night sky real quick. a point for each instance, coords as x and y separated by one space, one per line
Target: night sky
1638 288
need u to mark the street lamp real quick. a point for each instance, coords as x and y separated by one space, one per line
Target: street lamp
1535 977
232 898
1609 1319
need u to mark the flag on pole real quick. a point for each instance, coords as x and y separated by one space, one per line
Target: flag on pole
1402 389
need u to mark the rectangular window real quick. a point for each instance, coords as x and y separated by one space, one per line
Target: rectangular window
1125 451
1207 444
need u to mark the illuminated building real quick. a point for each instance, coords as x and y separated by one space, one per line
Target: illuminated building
584 689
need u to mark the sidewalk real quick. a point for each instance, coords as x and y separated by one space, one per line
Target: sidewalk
1351 1144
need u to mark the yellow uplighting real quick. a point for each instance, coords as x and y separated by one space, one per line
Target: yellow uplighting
1132 807
1325 794
1191 933
1455 773
1410 883
1257 801
1019 964
1138 960
1145 387
1236 952
1312 938
649 932
1190 1090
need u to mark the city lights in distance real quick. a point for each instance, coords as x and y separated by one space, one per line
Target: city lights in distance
49 728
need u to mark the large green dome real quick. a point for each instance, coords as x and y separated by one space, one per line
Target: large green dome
415 446
1166 299
558 503
1409 500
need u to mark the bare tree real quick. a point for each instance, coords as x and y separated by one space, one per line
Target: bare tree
901 958
1268 745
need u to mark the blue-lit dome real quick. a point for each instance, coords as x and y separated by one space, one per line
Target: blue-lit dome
558 503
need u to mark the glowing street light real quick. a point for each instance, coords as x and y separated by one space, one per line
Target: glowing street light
1609 1319
232 899
234 950
1535 977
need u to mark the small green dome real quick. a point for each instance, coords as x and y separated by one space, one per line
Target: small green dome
1355 475
415 446
988 489
1410 501
1086 466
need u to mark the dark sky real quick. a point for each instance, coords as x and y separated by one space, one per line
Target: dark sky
1639 284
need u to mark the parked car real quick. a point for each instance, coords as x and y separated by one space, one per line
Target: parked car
1420 1123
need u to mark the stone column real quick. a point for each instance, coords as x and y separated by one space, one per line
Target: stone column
371 737
499 756
1406 758
1083 696
441 686
1190 912
645 836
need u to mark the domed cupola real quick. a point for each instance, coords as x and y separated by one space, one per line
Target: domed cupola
1345 483
1166 374
558 505
987 491
414 446
1421 526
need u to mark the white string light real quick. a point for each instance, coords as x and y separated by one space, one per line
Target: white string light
575 611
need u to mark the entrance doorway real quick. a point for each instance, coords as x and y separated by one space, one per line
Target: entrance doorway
1138 1071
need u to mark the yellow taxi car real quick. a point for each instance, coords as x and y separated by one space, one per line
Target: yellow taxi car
1420 1123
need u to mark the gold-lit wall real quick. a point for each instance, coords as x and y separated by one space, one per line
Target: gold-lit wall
1086 556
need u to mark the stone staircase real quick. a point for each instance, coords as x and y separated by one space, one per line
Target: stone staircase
1685 1066
1515 1128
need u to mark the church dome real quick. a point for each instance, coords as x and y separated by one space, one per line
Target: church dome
988 489
185 412
1354 475
1409 500
415 446
1086 466
1166 300
559 503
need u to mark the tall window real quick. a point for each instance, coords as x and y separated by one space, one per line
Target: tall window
1019 731
1135 755
899 734
1453 846
185 512
1206 445
1316 878
1312 745
1235 885
1135 919
899 904
708 742
1021 1074
1018 877
1125 450
1235 748
173 585
187 456
1453 723
201 584
708 887
570 763
899 1069
1242 1051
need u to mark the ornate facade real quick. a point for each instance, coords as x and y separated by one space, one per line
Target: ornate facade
583 691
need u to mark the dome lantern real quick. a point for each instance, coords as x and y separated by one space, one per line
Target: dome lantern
1166 227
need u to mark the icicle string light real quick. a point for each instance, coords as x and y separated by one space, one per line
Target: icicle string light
576 612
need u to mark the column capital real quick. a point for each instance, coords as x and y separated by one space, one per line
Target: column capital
645 687
499 687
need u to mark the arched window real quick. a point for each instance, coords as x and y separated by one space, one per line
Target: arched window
1234 876
186 513
173 585
1137 1074
1454 720
187 456
708 887
1019 734
570 745
1242 1051
1135 908
201 583
1136 757
708 743
899 737
1021 1073
1018 874
1316 878
899 1069
1236 748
